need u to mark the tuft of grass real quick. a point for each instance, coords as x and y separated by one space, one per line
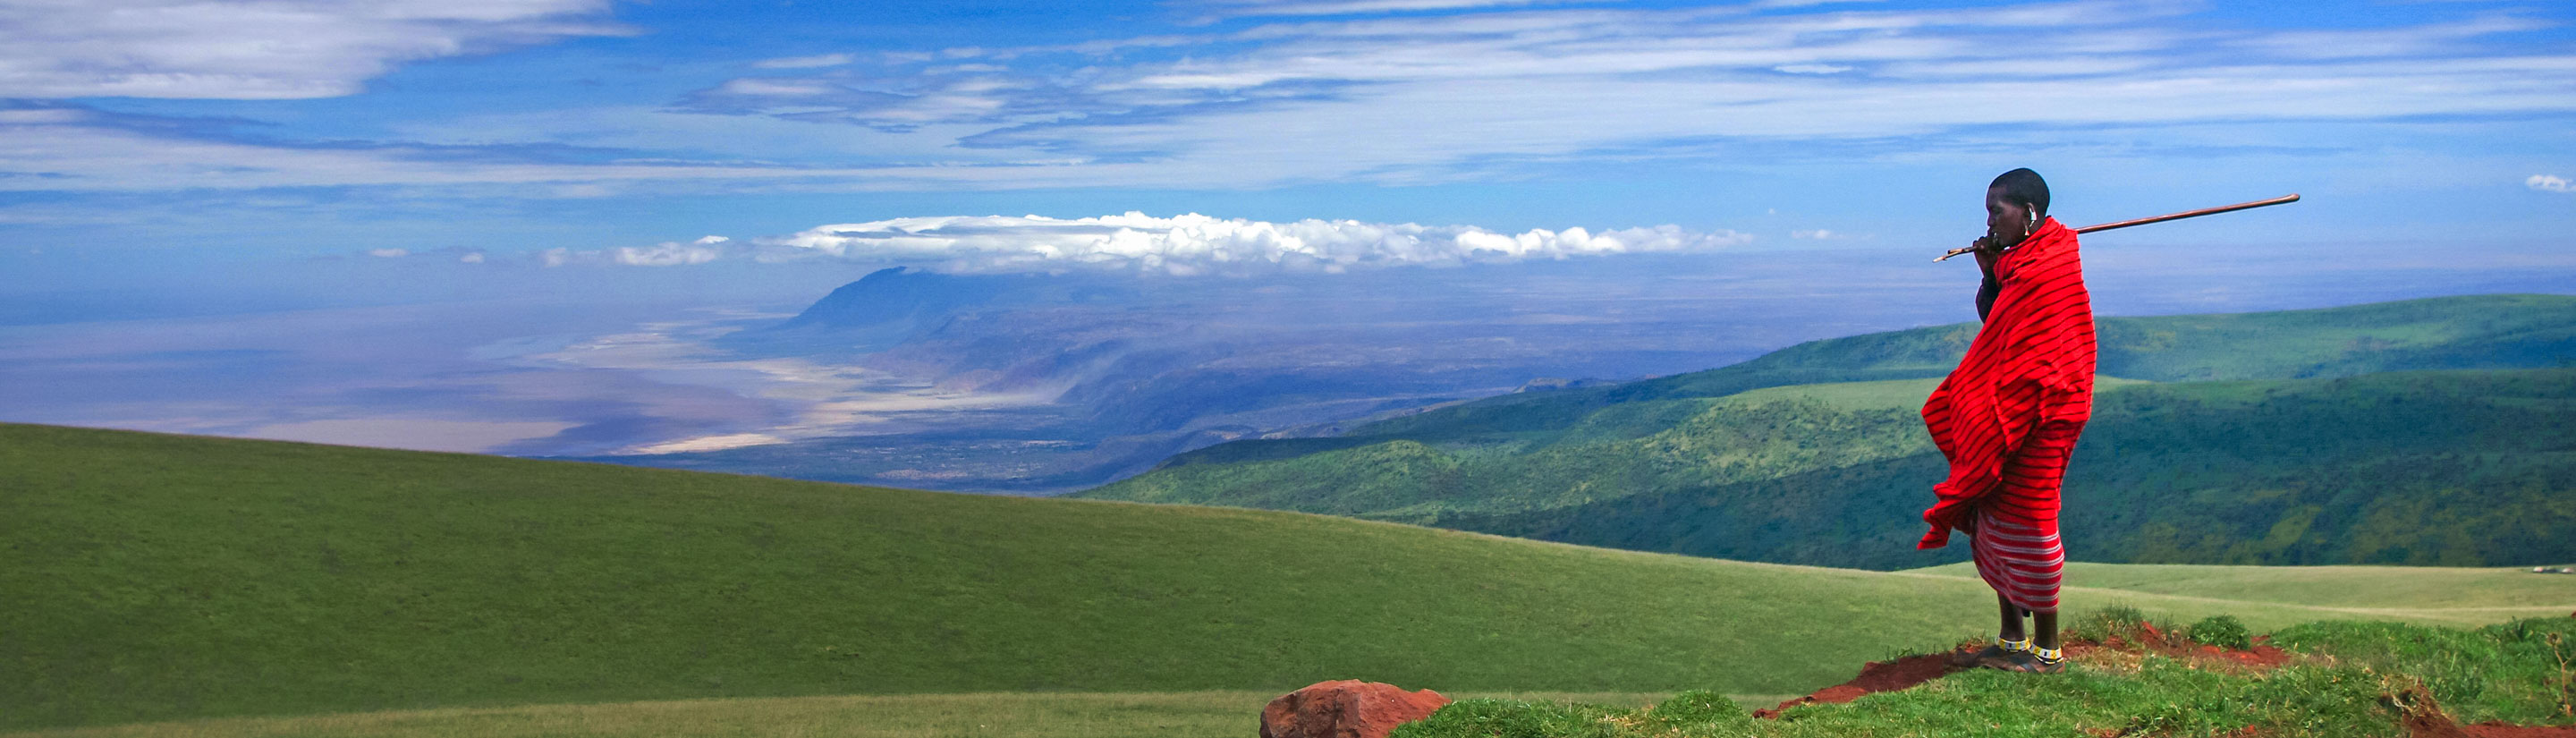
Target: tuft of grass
2101 624
2222 631
1697 708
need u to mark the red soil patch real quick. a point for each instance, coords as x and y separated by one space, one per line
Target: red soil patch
2262 656
1878 676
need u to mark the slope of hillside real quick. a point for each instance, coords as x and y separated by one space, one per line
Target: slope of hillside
2335 462
160 577
2470 332
2427 468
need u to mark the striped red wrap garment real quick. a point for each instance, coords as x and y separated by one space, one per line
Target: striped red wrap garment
2008 417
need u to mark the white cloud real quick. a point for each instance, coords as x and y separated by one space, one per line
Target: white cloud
805 62
471 257
1197 244
278 49
2549 183
388 253
1820 234
666 253
765 87
670 253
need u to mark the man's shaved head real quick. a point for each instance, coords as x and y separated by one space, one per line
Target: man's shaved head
2024 187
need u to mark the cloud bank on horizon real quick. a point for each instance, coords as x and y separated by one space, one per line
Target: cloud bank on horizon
1187 245
1193 244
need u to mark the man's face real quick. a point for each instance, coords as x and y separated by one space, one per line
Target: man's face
2008 222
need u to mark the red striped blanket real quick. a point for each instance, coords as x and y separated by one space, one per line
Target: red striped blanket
2030 366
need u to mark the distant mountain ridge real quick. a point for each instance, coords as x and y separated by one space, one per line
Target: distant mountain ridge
1812 454
894 294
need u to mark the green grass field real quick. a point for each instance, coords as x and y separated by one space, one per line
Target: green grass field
979 715
158 577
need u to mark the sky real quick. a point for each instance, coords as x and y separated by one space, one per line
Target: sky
501 224
146 144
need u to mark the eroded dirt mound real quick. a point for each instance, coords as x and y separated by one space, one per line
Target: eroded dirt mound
1878 676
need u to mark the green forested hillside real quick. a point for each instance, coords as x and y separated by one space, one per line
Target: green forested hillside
2315 451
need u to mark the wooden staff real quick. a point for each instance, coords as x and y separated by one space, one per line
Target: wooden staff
2289 198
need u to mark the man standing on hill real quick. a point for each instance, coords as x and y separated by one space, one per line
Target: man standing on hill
2008 417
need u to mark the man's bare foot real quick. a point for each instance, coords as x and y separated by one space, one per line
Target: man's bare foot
2000 648
2025 662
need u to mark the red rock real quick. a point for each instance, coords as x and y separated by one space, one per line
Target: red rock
1346 708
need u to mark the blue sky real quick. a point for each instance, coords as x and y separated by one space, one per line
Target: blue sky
371 221
166 139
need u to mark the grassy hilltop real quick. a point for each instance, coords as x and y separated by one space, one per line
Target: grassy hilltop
163 577
2418 432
